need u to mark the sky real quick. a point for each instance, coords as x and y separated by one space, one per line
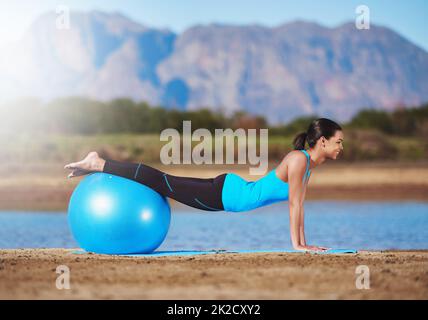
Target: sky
407 17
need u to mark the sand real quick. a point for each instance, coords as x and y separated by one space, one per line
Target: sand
31 274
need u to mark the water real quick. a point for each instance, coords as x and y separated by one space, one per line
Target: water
359 225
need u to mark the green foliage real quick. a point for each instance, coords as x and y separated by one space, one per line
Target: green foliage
401 122
77 115
370 119
124 129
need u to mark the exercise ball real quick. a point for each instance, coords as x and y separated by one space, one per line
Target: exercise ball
112 215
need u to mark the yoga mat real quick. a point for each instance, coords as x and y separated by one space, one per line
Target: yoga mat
198 252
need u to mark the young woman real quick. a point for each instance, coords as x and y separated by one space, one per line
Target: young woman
230 192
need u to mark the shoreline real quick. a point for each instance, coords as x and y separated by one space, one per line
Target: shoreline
51 198
31 274
49 190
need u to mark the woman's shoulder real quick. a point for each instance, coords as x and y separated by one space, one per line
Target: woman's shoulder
294 156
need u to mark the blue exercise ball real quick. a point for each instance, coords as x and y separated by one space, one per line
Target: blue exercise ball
113 215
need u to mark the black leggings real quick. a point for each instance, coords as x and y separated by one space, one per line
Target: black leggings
204 194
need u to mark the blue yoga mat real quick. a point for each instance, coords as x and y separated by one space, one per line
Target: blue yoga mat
197 252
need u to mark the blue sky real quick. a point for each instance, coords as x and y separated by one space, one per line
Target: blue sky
408 17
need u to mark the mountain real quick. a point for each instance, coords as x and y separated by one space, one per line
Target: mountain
101 55
295 69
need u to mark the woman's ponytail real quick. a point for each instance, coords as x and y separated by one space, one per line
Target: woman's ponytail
299 141
318 128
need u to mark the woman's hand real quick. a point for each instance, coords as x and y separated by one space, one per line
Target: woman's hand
311 248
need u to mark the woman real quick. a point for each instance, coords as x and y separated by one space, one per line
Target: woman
229 191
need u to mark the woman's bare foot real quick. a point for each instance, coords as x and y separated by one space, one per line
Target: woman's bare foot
91 163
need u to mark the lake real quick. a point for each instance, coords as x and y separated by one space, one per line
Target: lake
358 225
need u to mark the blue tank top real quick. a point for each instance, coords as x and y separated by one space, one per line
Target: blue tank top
241 195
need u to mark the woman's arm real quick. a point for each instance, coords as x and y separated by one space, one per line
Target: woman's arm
302 219
296 170
294 226
302 226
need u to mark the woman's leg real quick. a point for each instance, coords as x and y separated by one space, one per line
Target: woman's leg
204 194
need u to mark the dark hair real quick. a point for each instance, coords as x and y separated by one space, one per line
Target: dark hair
318 128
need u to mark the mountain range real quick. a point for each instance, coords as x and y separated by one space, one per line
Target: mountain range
295 69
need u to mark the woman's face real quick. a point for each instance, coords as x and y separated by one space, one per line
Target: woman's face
333 146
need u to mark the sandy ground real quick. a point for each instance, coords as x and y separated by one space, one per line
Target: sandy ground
31 274
45 188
